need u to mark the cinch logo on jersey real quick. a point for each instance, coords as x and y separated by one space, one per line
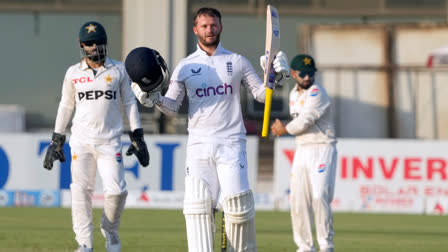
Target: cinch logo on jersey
82 80
212 91
95 94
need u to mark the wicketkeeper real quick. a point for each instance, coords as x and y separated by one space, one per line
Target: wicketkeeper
96 87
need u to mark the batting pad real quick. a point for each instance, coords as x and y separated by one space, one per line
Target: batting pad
239 212
198 215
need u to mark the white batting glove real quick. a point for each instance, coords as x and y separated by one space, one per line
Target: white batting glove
146 99
281 67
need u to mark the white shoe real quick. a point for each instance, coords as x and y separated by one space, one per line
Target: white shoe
113 243
83 248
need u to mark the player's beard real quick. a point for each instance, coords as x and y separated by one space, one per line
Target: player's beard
305 84
212 43
96 55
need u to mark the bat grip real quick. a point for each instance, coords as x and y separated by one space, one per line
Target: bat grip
267 112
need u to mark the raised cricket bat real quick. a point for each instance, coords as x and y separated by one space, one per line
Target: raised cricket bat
272 48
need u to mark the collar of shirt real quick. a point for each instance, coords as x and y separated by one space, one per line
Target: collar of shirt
219 50
108 63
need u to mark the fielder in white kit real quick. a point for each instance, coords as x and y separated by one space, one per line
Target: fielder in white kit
216 165
314 166
97 87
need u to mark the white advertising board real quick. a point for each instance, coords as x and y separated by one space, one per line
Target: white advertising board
396 176
22 156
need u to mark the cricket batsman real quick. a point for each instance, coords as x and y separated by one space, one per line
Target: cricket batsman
96 88
216 165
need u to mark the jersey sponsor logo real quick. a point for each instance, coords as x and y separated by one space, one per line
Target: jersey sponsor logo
321 168
118 157
96 94
82 80
212 91
314 92
196 72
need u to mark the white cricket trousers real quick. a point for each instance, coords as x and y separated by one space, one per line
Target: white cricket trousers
222 166
312 187
86 159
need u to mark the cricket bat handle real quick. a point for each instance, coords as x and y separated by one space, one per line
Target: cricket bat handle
267 112
223 233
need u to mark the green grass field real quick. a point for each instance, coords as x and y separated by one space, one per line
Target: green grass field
40 229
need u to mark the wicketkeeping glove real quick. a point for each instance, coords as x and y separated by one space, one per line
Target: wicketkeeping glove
138 147
55 151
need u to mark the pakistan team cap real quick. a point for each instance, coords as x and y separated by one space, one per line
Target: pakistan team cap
92 32
303 63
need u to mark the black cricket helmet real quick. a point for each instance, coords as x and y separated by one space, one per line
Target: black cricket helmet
147 68
93 41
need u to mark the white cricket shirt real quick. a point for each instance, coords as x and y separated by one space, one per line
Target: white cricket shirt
98 99
212 84
312 116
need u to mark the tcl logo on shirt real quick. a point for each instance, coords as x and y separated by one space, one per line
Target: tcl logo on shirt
96 94
82 80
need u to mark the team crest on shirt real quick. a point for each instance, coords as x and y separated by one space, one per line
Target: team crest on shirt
229 68
314 92
196 71
118 157
108 79
322 168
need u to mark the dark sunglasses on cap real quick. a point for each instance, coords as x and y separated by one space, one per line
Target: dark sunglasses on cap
310 74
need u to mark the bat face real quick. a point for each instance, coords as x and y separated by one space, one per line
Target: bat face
272 44
271 49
